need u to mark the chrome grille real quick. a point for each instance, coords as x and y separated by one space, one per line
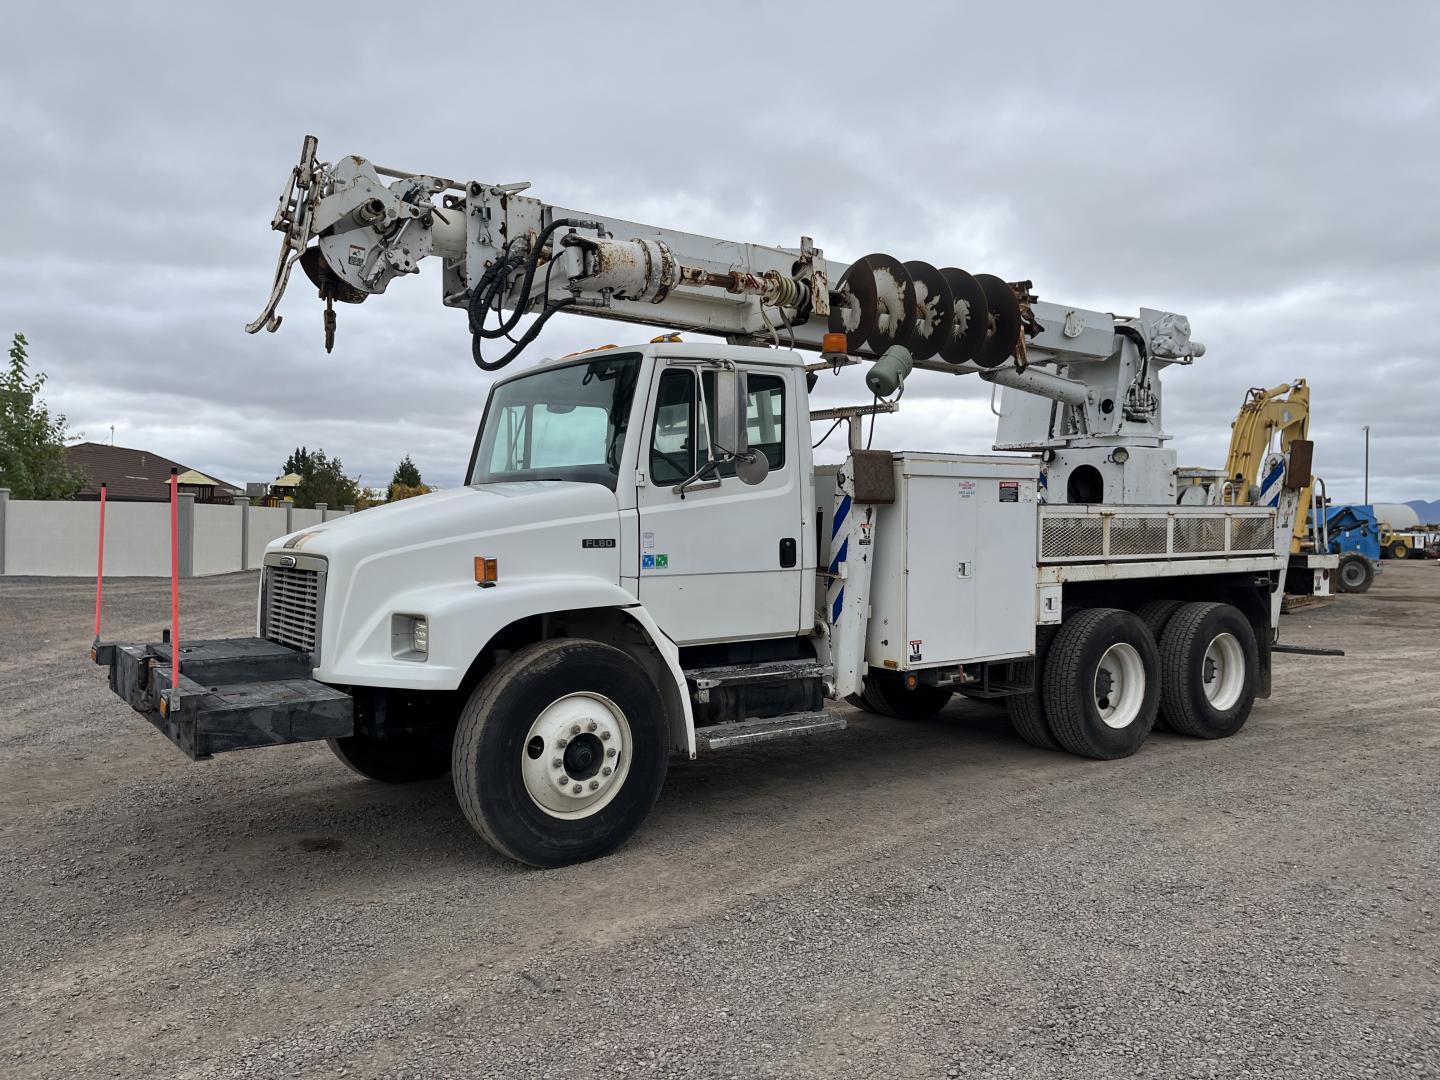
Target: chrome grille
292 606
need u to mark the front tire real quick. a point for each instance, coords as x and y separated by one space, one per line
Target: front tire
1399 550
1208 662
1101 684
561 752
398 759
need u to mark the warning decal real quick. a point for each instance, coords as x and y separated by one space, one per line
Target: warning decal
1010 491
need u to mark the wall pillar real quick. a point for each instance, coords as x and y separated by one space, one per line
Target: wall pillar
350 509
289 515
187 535
243 502
4 498
324 509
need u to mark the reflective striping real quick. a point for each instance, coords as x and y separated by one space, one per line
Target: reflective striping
835 608
841 513
1270 488
840 556
292 603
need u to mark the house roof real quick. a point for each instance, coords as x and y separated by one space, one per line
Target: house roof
195 479
128 473
290 479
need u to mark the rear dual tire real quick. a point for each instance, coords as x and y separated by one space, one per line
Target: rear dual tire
1208 662
889 697
1101 686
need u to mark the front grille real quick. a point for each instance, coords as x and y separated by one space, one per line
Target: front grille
292 606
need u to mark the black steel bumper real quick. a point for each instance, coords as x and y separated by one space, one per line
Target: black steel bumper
234 693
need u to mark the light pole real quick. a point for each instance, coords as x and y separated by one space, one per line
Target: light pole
1367 464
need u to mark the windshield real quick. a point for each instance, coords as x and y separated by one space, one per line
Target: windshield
563 423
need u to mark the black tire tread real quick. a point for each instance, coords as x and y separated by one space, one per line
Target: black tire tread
480 708
1064 711
1175 645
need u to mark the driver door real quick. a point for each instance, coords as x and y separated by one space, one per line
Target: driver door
720 562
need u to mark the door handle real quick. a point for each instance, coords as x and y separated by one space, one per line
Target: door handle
787 552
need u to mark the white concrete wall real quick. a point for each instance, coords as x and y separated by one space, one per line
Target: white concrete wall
303 519
217 539
60 538
266 523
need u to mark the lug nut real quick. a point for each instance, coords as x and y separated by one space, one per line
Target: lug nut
555 763
606 771
610 752
560 744
591 726
594 784
574 729
564 780
577 789
605 735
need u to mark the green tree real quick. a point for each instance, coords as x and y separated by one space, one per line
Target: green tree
406 476
322 479
33 462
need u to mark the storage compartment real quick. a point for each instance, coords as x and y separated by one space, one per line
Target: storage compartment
954 574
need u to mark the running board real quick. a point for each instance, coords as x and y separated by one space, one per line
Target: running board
710 678
767 729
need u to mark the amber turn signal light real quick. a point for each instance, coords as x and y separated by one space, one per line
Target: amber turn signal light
834 343
487 571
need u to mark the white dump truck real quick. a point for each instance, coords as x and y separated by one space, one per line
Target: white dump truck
644 559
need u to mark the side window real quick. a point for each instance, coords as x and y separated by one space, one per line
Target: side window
765 426
677 449
672 448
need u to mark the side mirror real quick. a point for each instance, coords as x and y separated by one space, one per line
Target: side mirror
732 400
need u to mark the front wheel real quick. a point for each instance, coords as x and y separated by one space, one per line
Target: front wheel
396 759
1355 573
1399 550
561 752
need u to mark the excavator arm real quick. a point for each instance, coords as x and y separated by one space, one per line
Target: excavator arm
1269 422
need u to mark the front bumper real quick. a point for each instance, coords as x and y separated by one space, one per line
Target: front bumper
234 694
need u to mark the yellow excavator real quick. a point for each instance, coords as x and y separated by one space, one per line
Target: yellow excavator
1269 420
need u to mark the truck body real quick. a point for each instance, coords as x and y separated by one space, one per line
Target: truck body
645 559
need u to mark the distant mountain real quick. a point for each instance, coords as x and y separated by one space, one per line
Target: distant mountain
1428 512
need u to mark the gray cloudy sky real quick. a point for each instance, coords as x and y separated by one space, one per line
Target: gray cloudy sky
1268 169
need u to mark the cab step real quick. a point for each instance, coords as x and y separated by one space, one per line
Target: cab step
767 671
767 729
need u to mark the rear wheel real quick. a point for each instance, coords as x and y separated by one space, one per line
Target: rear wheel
561 752
1155 614
1101 689
889 697
396 759
1399 550
1208 661
1027 711
1355 573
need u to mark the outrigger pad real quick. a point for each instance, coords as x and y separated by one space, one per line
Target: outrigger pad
874 476
234 694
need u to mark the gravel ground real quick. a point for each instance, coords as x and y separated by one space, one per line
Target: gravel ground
928 900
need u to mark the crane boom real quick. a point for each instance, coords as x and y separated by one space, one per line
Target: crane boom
505 254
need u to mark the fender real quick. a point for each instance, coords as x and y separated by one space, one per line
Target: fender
464 617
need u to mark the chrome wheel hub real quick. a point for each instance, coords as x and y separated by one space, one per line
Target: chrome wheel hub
576 755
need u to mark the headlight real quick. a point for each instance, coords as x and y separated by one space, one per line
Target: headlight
410 637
